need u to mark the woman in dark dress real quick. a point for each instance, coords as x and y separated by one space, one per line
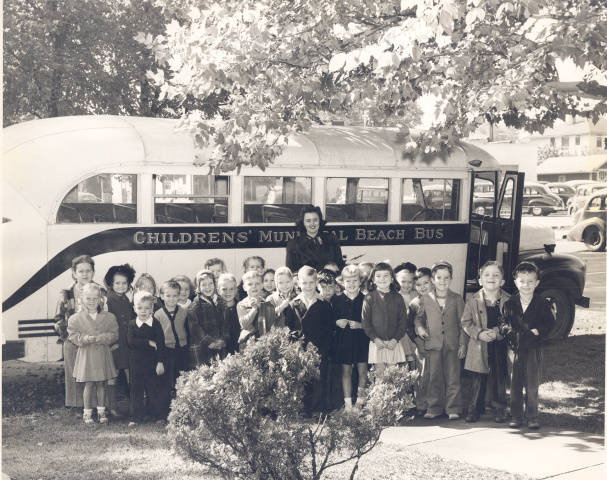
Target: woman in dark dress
312 246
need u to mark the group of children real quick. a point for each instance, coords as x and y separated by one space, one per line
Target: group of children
364 315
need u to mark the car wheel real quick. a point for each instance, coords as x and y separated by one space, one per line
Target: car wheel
536 211
594 238
563 310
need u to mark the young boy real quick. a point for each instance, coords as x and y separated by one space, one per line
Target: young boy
281 300
147 358
326 284
527 320
173 320
226 289
317 322
215 265
253 263
405 277
444 342
256 316
486 354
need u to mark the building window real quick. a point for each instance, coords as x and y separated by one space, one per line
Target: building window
104 198
357 199
577 141
599 142
564 142
191 199
275 199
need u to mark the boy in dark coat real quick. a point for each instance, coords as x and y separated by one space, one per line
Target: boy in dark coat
527 320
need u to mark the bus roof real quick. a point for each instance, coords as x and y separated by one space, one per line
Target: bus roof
91 144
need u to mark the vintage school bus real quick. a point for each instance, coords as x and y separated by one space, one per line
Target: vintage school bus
126 189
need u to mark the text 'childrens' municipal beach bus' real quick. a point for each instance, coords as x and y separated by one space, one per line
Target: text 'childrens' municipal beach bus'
125 189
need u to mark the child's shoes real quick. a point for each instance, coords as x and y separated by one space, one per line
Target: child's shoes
500 417
515 423
533 425
454 416
472 417
103 418
132 424
431 416
87 418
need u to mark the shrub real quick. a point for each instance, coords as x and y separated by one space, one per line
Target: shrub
242 416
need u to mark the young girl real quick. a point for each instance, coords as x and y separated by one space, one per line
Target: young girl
486 354
281 298
83 270
384 318
93 331
208 338
118 280
405 278
146 283
351 345
267 280
438 323
186 291
215 265
226 288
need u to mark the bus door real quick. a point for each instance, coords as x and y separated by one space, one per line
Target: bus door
495 222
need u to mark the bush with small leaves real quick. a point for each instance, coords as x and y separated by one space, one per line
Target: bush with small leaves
243 415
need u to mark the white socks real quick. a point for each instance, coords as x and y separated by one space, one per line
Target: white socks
348 403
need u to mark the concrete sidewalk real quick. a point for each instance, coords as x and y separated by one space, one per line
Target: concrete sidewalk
547 453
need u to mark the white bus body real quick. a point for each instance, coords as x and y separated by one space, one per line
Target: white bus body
64 177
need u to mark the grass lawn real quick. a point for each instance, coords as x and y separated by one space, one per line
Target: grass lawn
53 443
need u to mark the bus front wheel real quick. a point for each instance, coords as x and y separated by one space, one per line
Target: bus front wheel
563 310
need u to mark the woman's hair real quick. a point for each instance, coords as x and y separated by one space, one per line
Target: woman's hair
185 279
83 259
351 271
382 267
125 270
201 275
93 287
172 284
146 277
490 263
309 209
283 271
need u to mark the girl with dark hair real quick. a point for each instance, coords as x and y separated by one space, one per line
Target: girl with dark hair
118 281
384 318
312 247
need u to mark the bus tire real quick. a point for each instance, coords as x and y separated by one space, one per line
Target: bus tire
536 210
594 238
563 309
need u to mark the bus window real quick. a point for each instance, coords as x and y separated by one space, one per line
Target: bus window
483 198
357 199
506 207
104 198
275 199
191 199
430 199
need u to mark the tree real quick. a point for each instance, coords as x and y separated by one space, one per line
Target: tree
70 57
287 64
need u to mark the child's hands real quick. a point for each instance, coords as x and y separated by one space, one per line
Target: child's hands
535 331
217 345
497 333
461 352
487 336
392 344
253 302
422 332
355 325
342 323
159 368
152 344
379 343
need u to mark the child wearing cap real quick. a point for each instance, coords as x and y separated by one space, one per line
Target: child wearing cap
438 324
527 320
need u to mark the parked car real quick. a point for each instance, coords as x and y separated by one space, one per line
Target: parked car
589 222
582 192
564 191
538 200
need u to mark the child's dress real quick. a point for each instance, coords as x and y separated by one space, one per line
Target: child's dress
384 316
351 345
94 361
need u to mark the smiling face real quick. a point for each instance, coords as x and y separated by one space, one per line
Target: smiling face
284 284
90 300
526 283
83 273
120 284
382 279
311 222
227 291
144 309
405 280
441 281
170 296
252 285
491 279
268 282
206 286
351 284
184 293
307 284
423 285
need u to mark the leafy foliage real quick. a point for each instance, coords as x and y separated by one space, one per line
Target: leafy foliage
241 415
288 64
